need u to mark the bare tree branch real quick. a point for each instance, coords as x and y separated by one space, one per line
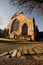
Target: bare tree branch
29 5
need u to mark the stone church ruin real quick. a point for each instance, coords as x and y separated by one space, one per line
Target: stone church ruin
22 27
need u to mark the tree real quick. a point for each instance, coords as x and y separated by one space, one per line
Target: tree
37 33
1 33
29 5
6 33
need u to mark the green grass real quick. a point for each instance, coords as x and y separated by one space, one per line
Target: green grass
9 40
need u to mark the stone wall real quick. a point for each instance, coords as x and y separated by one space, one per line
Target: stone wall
22 20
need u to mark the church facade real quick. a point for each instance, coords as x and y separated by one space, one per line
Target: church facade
21 26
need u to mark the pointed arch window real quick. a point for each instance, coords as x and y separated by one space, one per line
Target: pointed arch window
15 25
24 29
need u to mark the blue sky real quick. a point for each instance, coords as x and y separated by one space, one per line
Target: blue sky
7 11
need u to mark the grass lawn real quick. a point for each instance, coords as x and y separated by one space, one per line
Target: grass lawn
9 40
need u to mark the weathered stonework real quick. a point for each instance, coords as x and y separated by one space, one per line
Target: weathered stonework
23 20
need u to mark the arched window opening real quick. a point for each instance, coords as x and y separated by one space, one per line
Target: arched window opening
15 25
24 29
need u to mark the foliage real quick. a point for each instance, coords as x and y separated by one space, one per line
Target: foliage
1 33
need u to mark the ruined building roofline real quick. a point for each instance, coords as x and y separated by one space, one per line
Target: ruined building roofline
16 14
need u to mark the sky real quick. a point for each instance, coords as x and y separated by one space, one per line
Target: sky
7 11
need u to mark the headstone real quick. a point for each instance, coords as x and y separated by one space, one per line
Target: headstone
3 54
18 53
14 53
25 51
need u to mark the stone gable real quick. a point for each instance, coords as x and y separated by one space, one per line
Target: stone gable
20 25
